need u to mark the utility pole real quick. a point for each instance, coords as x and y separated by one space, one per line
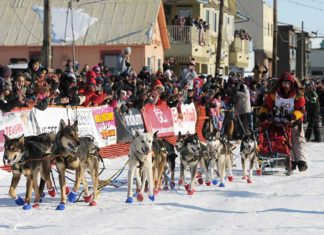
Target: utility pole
302 66
47 53
275 40
73 38
219 37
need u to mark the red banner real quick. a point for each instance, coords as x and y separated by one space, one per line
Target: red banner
158 118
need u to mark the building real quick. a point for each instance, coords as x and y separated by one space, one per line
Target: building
191 41
287 49
317 63
100 30
304 45
260 27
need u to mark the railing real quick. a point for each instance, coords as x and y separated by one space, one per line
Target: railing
188 34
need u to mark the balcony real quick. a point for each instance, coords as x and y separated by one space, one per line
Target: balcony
188 35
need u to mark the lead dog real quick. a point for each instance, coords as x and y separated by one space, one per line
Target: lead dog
189 157
79 154
28 156
140 162
248 152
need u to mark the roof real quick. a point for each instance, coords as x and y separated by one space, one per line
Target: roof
96 22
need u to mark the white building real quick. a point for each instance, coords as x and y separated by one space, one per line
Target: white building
317 63
260 27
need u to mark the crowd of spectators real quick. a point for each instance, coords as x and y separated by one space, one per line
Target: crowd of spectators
124 88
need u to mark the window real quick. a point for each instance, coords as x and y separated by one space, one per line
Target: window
36 55
149 63
207 16
159 64
268 29
215 22
110 60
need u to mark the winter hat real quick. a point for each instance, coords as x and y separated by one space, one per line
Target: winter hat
5 72
127 50
91 74
96 69
286 77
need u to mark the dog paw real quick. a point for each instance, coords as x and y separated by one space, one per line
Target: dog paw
244 177
187 187
172 184
215 182
87 198
191 192
152 198
92 203
222 185
52 192
36 205
230 178
140 197
67 190
208 183
19 201
156 191
200 181
27 206
129 200
180 182
72 197
259 172
60 207
249 181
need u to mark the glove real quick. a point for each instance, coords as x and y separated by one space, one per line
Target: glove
263 117
291 117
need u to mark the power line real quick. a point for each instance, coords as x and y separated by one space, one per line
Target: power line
304 5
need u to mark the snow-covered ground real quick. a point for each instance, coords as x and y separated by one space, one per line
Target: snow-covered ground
272 204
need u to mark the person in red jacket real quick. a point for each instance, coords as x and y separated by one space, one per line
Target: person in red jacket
287 104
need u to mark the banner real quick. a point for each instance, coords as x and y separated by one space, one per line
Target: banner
158 118
127 124
188 121
49 119
105 124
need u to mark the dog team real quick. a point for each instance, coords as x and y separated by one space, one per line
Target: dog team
150 160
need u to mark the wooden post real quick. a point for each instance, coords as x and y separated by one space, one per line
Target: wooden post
219 37
47 53
275 40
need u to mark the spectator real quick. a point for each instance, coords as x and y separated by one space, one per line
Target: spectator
122 60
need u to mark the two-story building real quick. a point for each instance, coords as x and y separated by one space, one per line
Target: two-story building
193 30
260 27
101 29
304 46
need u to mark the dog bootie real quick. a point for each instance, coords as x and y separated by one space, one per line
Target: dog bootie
67 190
60 207
72 196
36 205
200 181
87 198
165 187
152 198
172 184
19 201
140 197
180 182
259 172
249 181
215 182
92 203
27 206
52 192
129 200
187 187
222 185
302 166
208 183
43 195
230 178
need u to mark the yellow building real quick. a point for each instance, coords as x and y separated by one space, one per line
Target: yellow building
189 40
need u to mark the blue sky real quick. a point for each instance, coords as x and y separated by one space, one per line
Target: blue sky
295 11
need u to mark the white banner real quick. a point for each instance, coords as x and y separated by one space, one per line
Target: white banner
188 122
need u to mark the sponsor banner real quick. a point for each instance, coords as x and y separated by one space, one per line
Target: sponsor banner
86 123
158 118
188 121
105 124
49 119
127 124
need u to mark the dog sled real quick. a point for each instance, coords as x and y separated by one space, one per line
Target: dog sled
274 146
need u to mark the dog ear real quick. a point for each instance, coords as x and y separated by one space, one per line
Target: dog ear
155 136
75 125
22 139
6 137
62 124
218 134
137 133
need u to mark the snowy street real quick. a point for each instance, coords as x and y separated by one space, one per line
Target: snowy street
272 204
